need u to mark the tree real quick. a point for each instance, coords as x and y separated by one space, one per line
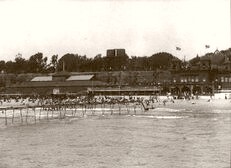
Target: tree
10 67
37 64
20 65
52 67
2 65
161 60
98 63
67 63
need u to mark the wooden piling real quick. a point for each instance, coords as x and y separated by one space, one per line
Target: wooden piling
34 115
21 116
85 109
82 110
40 112
75 110
94 108
47 113
111 107
5 118
13 116
27 109
102 108
72 110
119 109
52 111
128 111
65 110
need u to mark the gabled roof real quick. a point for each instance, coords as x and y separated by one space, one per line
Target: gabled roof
80 77
41 78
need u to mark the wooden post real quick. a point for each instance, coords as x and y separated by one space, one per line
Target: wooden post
5 117
72 110
65 109
102 109
60 113
47 113
34 115
141 107
85 108
95 105
40 112
21 115
127 108
105 108
75 109
111 106
13 116
52 111
26 113
82 109
119 109
92 106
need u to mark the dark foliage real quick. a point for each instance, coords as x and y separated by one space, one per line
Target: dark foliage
70 62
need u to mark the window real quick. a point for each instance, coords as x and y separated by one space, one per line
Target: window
222 79
182 80
197 79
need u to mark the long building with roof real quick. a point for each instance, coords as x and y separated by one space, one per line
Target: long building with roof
62 82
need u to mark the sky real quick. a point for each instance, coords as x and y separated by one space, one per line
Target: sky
87 27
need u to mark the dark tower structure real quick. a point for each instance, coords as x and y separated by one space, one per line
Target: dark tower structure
116 59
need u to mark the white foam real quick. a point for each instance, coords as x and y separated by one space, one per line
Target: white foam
221 111
161 117
169 117
168 109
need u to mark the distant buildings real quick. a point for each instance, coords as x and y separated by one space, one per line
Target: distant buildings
57 83
205 75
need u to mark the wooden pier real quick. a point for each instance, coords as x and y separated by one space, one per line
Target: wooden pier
34 113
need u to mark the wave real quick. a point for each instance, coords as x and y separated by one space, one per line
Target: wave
160 117
168 110
220 111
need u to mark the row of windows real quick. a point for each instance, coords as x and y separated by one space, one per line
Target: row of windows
189 79
196 79
226 79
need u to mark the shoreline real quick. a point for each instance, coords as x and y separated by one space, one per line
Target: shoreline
202 104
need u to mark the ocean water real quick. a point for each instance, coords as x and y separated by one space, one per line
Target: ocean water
159 138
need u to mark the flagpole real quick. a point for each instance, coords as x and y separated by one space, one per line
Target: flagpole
178 49
206 47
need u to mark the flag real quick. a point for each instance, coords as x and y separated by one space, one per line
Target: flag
207 46
178 48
